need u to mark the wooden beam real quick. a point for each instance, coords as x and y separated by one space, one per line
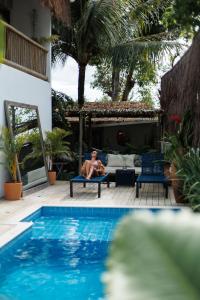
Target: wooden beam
89 132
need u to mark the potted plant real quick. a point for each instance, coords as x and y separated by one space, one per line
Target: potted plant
55 146
177 145
11 148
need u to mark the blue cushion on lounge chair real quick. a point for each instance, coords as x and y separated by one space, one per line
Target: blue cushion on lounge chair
152 179
99 180
152 171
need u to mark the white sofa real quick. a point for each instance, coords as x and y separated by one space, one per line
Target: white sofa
119 161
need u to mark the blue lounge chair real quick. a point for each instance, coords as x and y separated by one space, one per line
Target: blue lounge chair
99 180
152 172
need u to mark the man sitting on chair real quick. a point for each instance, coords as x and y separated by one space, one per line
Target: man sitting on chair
92 168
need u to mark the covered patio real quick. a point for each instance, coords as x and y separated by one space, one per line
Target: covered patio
93 115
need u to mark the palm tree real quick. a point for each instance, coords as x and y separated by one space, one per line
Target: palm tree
95 26
107 27
56 145
143 50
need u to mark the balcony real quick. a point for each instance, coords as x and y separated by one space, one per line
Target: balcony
23 53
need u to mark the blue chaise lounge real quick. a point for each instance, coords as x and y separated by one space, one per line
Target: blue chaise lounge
152 172
99 180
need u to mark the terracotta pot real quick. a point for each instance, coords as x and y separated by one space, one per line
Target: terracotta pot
167 173
177 185
12 190
52 177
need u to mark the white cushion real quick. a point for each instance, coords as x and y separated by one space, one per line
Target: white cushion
138 170
115 160
112 170
121 160
128 160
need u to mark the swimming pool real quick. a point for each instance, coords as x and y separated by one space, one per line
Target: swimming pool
61 257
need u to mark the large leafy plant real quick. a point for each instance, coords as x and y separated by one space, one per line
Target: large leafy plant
11 148
189 172
56 145
180 140
154 257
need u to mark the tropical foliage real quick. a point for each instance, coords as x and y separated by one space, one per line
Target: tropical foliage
60 103
189 173
95 26
142 74
180 138
11 148
116 30
56 145
154 257
183 15
186 159
34 139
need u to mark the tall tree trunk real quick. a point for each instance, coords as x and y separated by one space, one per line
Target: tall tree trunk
81 84
129 84
115 85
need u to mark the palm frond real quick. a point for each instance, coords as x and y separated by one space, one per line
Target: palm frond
100 22
56 144
11 147
154 48
143 13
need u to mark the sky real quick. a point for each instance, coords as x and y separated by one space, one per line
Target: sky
65 79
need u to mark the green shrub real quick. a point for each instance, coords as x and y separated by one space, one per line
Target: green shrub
189 172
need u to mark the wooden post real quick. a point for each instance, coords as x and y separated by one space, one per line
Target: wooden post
90 133
160 132
80 142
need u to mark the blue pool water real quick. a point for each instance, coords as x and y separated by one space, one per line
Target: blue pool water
61 258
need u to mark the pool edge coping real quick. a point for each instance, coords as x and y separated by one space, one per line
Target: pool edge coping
13 233
20 226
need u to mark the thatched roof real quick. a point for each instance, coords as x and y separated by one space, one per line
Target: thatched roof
180 88
60 8
113 109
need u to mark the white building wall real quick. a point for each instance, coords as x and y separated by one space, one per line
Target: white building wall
20 87
21 18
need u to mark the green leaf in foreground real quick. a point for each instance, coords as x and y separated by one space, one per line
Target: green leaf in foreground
155 257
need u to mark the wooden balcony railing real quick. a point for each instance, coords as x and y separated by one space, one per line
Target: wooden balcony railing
24 54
